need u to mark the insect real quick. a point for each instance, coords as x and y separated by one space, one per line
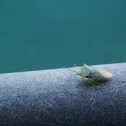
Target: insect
93 74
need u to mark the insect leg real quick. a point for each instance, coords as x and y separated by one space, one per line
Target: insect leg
80 81
75 65
95 82
90 81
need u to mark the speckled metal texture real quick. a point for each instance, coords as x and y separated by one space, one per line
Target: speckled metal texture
50 98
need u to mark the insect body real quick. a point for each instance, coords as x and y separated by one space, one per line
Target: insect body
93 74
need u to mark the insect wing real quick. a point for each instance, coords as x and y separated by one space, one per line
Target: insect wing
105 73
100 74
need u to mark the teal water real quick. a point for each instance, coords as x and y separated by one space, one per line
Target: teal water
46 34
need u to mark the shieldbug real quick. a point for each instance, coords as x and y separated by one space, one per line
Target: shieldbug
93 74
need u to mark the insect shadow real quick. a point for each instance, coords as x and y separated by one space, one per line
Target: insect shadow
85 83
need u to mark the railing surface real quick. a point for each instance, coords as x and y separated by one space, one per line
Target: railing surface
50 98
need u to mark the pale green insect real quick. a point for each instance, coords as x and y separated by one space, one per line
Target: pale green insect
93 74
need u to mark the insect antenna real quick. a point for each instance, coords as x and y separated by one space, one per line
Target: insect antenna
72 70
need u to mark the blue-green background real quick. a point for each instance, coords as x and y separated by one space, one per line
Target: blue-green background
46 34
